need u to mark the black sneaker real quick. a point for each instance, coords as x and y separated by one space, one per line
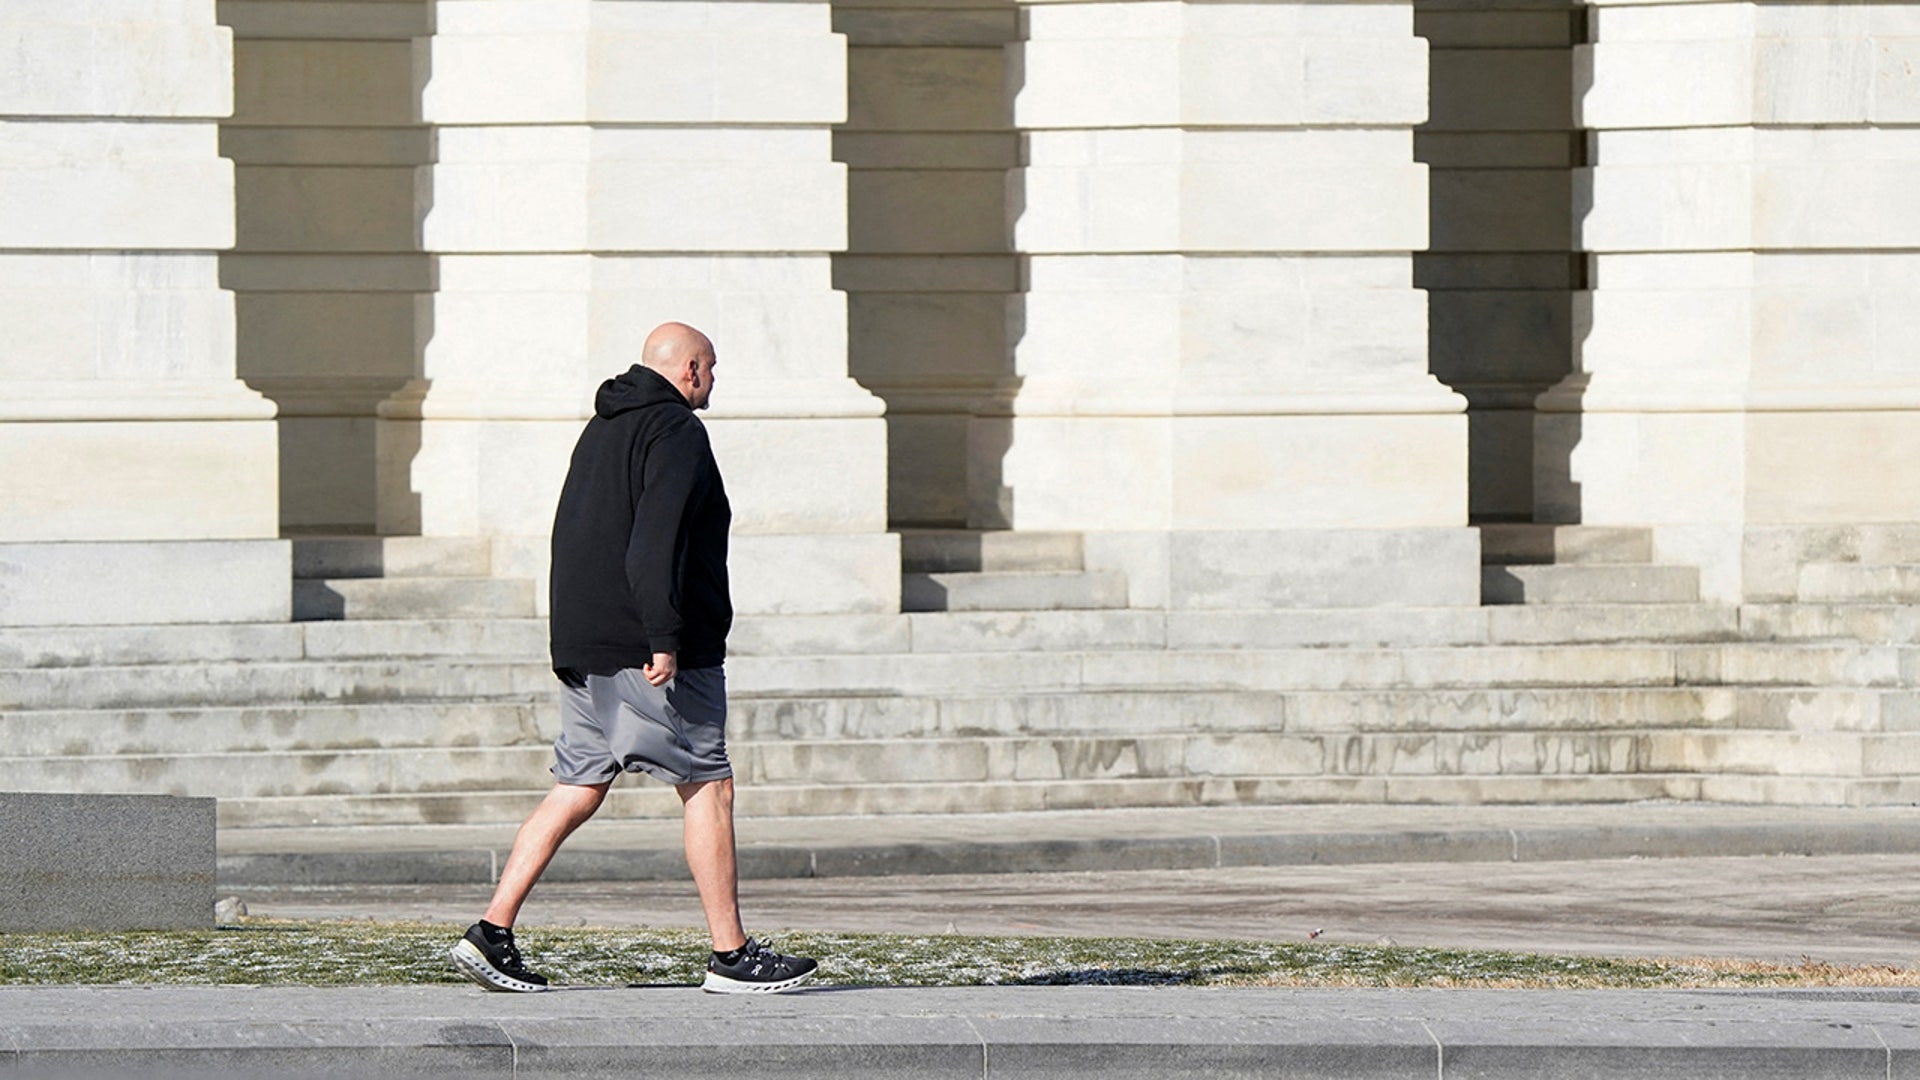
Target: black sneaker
495 964
759 970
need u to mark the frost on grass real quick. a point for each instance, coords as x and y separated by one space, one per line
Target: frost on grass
364 953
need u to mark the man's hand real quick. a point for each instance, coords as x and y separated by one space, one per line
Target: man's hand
662 670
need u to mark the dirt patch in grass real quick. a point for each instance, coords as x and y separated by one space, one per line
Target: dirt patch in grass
263 951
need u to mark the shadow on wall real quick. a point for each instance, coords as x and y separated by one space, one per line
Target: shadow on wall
1502 272
328 272
934 286
1557 426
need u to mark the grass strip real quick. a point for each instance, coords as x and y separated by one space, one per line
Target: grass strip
261 951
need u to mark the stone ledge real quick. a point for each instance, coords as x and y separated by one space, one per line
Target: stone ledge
842 1032
396 857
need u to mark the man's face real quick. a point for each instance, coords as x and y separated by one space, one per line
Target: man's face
702 379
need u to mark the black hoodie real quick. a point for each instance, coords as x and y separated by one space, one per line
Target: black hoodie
640 538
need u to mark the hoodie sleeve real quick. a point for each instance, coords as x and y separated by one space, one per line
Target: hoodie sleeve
672 475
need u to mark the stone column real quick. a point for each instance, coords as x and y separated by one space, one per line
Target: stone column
1219 356
1500 271
327 271
601 166
930 269
1746 355
140 475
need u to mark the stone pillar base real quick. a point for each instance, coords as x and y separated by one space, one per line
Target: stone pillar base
1231 570
145 582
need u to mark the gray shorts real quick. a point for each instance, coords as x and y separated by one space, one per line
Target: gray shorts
676 733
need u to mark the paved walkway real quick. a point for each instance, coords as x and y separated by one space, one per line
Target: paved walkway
1666 879
1653 879
1112 1033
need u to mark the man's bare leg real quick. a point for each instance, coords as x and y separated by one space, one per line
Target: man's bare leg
710 855
564 809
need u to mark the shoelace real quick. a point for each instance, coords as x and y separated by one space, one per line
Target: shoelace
762 953
512 954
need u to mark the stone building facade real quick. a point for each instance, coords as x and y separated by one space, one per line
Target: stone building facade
1269 301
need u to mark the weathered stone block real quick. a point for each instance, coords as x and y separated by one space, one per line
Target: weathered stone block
105 862
83 315
111 61
105 584
67 185
187 479
1329 568
815 573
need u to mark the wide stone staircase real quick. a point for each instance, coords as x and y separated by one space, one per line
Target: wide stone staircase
446 715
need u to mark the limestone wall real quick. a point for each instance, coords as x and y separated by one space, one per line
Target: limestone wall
457 217
932 281
1221 349
1258 296
1745 356
329 276
139 479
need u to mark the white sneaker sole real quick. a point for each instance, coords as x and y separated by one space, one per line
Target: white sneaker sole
471 962
720 984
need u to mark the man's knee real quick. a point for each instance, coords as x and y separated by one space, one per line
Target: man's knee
721 790
577 799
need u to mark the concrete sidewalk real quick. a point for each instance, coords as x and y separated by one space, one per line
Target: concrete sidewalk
1113 1033
1102 840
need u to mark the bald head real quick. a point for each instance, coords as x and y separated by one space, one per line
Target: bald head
684 357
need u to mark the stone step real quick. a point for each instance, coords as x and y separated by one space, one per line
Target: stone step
1860 583
943 551
1828 664
325 557
1578 623
507 638
1798 664
1507 544
121 646
1590 584
1480 713
1864 755
974 632
1887 542
281 728
1022 590
1186 756
412 598
649 800
1871 623
1810 790
258 684
116 646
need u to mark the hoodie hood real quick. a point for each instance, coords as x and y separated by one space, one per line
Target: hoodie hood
636 388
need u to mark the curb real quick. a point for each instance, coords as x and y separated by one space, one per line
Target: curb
843 1033
1076 854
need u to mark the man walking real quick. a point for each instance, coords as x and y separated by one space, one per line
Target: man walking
639 619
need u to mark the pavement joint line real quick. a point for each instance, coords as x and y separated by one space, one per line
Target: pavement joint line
1884 1045
1439 1051
986 1065
513 1048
